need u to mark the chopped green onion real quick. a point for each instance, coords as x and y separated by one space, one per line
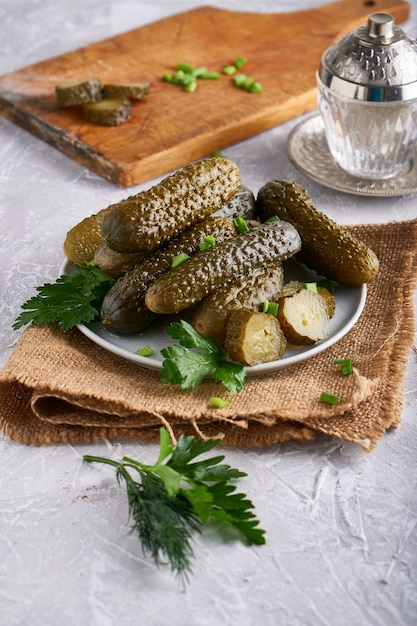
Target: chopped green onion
208 242
191 86
274 218
255 87
247 82
229 69
240 62
270 307
145 351
179 259
199 72
219 403
217 154
329 398
210 75
240 80
240 224
311 287
185 67
345 366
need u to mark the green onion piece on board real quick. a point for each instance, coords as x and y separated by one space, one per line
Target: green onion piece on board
191 86
255 87
199 72
229 70
274 218
209 75
185 67
240 80
240 62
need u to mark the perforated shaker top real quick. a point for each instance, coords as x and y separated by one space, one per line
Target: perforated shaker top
377 61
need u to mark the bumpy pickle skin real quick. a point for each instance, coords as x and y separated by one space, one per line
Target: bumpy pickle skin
246 254
242 204
148 219
212 314
123 309
84 238
116 263
326 246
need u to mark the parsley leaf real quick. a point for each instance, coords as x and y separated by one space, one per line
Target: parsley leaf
196 357
176 496
73 299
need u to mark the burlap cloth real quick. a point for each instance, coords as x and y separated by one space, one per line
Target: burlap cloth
61 387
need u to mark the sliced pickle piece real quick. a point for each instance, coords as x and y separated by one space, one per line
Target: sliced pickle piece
211 316
108 112
303 317
253 337
133 91
78 92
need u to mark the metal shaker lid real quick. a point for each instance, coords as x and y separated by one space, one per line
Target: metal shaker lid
377 62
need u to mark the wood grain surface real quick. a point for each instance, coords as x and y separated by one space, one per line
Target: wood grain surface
173 127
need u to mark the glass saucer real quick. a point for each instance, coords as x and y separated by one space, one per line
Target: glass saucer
307 149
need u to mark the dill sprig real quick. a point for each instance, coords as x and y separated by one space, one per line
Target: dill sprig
169 500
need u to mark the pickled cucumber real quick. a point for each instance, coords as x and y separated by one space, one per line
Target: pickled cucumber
254 337
211 316
84 238
78 92
133 91
146 220
123 310
242 204
246 254
326 246
116 263
108 112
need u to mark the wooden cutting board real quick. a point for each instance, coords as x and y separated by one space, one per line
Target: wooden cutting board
173 127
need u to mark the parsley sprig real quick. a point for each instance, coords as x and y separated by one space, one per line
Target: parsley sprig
178 495
73 299
195 357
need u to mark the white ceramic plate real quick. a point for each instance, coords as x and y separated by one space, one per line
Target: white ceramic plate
350 302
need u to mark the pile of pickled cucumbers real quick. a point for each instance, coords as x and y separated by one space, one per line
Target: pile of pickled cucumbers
200 244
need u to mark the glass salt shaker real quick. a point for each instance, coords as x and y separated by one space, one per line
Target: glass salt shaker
367 97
